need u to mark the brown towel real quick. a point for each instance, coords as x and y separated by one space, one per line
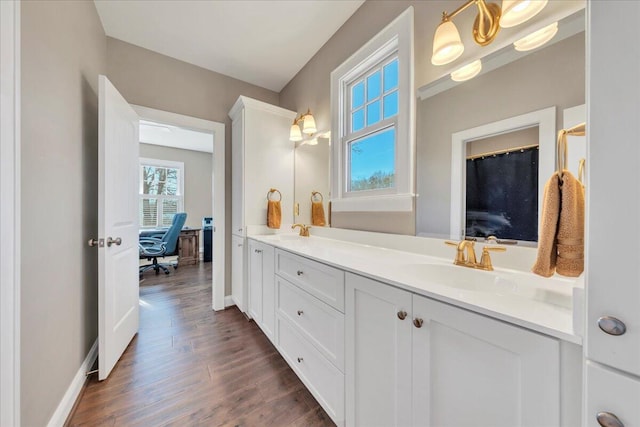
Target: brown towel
561 236
274 214
317 214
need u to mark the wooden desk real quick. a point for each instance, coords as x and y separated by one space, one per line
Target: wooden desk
189 246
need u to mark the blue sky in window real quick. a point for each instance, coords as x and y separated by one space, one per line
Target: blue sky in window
374 82
357 95
391 75
372 154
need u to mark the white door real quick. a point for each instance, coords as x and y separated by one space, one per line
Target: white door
117 226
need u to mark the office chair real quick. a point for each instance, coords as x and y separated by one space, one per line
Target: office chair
153 247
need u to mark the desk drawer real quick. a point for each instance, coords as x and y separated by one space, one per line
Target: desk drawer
320 280
318 322
323 380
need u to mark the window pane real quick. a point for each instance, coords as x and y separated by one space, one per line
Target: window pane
169 209
357 120
391 75
373 113
372 161
373 86
148 212
357 95
390 106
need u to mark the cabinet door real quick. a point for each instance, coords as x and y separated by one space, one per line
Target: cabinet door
470 370
268 292
255 281
611 394
237 271
237 176
378 354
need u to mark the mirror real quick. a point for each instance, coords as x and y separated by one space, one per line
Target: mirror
500 100
311 164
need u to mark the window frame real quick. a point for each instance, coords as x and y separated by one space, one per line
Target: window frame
144 161
395 40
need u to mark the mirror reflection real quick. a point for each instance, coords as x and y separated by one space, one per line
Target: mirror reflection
311 188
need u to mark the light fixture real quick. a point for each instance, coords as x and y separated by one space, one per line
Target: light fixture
447 45
467 72
537 38
308 126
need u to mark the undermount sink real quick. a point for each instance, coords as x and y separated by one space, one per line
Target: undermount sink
554 291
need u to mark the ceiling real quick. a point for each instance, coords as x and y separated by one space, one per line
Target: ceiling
263 42
176 137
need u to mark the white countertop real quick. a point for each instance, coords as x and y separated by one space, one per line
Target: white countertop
516 297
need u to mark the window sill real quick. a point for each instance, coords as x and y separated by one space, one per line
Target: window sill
388 203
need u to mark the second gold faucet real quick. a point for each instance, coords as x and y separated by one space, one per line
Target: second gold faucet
469 259
304 229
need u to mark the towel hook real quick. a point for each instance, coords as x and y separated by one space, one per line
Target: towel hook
314 194
274 190
578 130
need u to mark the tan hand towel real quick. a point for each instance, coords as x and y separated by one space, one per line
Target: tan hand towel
317 214
274 214
561 236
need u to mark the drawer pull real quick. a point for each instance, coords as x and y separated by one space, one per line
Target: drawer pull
402 315
300 272
611 325
418 322
300 312
607 419
300 359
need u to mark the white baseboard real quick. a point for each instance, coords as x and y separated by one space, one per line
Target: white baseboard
228 301
69 399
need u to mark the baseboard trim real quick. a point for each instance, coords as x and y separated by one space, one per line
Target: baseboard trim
228 301
69 399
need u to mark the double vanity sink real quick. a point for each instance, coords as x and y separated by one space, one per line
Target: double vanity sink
382 336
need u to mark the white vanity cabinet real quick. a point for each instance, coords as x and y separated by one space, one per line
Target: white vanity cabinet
262 287
310 326
261 158
415 361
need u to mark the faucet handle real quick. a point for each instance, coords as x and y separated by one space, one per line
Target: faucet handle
450 243
485 260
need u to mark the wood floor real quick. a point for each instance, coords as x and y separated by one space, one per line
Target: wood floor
190 366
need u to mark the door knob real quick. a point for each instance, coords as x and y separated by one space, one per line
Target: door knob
96 242
117 241
607 419
611 325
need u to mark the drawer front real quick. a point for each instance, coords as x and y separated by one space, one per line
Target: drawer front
320 280
613 393
318 322
323 380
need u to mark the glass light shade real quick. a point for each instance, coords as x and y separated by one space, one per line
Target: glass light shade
467 72
309 126
537 38
516 12
447 45
294 134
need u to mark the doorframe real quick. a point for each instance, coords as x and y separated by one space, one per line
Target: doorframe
218 187
10 213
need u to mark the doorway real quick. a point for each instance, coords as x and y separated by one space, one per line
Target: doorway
217 145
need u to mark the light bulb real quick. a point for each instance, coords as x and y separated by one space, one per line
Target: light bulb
537 38
467 72
447 46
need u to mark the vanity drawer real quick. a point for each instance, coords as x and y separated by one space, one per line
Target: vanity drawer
320 280
318 322
323 380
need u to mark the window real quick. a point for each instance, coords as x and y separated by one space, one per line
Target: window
161 192
373 118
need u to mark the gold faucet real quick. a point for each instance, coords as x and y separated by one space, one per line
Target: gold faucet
469 259
304 229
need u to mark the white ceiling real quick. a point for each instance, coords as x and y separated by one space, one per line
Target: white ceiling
176 137
264 42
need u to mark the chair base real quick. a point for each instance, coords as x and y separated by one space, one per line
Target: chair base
157 266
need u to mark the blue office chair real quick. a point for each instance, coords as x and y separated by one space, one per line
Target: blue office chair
153 247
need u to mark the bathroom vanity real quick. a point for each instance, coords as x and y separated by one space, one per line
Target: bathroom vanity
388 337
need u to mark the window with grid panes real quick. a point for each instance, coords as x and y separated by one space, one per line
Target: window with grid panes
161 192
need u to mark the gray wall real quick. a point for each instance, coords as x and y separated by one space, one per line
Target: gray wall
63 51
552 76
153 80
198 170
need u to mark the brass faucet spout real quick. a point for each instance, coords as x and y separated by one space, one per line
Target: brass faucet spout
304 229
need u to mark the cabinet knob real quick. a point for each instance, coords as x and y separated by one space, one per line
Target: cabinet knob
402 315
611 325
300 272
300 312
607 419
417 322
239 229
300 359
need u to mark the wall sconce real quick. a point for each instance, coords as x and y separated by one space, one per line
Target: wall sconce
308 126
447 45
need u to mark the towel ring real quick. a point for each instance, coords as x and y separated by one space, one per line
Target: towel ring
578 130
274 190
581 171
316 193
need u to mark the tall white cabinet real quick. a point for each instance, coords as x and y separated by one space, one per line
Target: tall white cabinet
613 272
262 157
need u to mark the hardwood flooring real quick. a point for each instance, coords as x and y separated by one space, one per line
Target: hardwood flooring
191 366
